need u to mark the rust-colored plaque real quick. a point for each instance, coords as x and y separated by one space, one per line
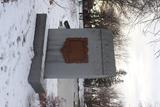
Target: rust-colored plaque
75 50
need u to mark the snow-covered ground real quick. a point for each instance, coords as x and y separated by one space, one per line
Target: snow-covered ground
17 25
17 22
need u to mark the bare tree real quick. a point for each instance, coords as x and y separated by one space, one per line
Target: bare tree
145 12
109 19
100 92
103 97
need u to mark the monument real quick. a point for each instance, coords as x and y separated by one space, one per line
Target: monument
79 53
70 53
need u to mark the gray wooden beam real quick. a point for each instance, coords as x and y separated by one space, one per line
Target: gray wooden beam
35 75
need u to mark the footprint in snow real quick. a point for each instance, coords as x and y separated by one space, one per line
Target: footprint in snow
28 18
1 68
4 68
15 28
7 82
23 41
1 57
7 94
6 104
18 39
33 6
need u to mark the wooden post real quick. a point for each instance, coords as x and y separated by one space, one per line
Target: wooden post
35 75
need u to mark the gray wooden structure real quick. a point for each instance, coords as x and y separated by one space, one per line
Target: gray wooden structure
101 61
35 75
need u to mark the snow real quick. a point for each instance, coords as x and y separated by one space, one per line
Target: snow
52 88
34 101
16 52
17 24
67 11
81 92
